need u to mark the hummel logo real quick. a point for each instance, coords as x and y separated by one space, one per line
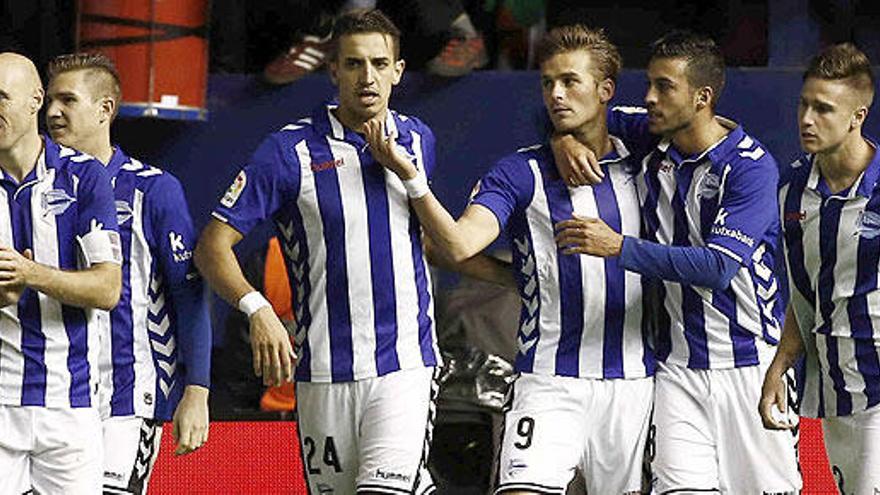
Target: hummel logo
317 167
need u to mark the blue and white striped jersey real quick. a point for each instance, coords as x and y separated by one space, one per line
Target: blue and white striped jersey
63 212
832 247
361 287
581 315
718 199
146 362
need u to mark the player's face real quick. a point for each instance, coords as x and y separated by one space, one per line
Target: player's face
365 70
827 114
670 99
74 116
18 107
573 95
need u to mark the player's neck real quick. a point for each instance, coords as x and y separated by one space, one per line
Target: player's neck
702 132
594 135
21 158
98 147
353 121
843 164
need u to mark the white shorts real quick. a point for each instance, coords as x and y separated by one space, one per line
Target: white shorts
52 450
853 446
131 446
556 425
371 435
709 435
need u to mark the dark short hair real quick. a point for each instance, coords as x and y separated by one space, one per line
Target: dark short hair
101 71
846 63
574 37
705 63
361 21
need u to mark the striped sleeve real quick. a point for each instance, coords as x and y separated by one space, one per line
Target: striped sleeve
261 187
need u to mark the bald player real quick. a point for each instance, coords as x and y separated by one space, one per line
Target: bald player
59 259
155 365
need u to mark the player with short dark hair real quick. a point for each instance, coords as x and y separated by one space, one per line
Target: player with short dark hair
59 260
364 333
710 243
831 229
155 359
582 399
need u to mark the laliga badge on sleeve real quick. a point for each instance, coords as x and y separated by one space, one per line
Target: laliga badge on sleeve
234 191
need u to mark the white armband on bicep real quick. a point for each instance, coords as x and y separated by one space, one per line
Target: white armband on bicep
101 246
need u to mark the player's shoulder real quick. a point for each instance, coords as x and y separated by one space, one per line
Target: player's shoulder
522 156
520 161
144 174
295 131
69 160
744 152
410 123
629 111
797 172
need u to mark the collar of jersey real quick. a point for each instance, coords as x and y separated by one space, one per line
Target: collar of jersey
714 153
40 169
863 186
117 160
326 123
618 151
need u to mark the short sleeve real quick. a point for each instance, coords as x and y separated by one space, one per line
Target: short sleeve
505 188
270 178
96 228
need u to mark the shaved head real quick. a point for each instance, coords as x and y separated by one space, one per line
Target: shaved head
21 96
22 69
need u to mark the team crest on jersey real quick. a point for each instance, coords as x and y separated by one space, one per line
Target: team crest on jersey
123 211
709 186
55 202
234 191
868 225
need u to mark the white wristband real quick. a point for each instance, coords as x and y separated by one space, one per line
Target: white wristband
252 302
417 186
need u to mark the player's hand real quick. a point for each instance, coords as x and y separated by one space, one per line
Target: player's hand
577 164
384 150
190 422
15 268
773 395
273 354
582 235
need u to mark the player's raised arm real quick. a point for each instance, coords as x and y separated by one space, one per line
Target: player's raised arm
481 266
272 352
460 239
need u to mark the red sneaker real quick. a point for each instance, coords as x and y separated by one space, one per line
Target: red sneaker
303 58
459 57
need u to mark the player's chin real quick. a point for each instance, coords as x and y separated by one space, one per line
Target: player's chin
811 145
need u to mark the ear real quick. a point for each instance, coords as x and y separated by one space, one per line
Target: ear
606 90
398 71
703 98
107 108
858 118
36 100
